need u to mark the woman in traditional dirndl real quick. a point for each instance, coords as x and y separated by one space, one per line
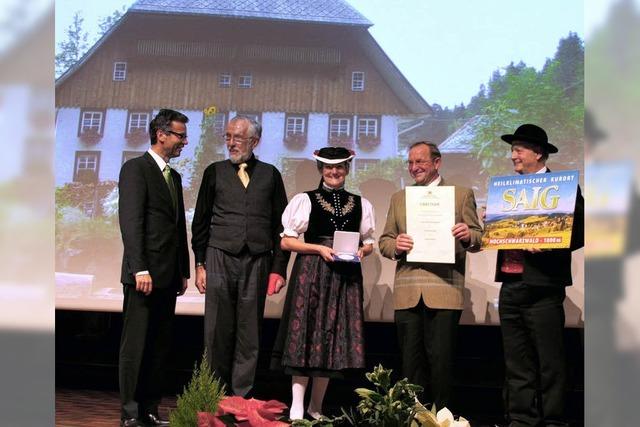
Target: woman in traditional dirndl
321 328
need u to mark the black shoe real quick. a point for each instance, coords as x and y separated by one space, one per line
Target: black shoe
153 420
131 422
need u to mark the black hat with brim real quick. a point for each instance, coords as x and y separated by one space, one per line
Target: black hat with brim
333 155
532 134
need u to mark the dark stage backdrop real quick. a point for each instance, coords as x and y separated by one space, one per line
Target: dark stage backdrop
87 358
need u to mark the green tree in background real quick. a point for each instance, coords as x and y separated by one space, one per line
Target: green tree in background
210 149
515 94
551 98
107 22
569 73
73 47
478 102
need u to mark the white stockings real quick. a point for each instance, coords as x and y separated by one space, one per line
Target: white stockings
298 387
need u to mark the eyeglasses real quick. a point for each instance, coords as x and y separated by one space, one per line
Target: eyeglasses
181 136
228 137
418 163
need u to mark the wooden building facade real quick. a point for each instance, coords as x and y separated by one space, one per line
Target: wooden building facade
309 71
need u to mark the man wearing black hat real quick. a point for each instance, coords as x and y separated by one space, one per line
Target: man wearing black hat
531 304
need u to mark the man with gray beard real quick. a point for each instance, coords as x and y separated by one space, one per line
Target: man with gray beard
236 241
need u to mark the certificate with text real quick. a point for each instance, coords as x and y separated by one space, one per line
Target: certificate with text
430 218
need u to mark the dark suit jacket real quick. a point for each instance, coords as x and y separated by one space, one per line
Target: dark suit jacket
153 233
552 267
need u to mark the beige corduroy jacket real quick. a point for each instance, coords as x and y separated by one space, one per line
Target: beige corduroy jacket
440 285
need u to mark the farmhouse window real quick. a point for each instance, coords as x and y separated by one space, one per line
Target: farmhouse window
86 166
357 81
245 81
251 115
138 122
339 127
128 155
224 80
367 127
295 125
91 122
119 71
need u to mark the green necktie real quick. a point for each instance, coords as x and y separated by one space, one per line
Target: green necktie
166 172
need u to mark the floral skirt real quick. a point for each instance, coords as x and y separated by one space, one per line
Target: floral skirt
321 328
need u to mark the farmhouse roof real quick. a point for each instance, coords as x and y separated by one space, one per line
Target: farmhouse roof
333 12
317 11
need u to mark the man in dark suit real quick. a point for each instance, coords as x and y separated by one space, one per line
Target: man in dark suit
531 304
236 242
155 266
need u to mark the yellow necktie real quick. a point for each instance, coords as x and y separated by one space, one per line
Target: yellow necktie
243 175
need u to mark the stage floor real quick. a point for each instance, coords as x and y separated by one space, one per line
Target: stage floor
80 408
87 369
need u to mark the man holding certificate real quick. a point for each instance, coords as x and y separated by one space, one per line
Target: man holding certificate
430 227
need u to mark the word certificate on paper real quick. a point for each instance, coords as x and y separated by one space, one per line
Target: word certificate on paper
430 218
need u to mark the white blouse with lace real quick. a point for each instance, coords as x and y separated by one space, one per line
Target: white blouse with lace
295 218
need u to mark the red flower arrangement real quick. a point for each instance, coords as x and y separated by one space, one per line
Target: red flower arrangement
137 136
90 136
341 141
244 413
368 142
295 141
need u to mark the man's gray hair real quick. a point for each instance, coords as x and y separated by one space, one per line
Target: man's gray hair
254 126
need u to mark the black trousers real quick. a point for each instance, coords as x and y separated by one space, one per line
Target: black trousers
427 339
233 313
144 345
532 325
